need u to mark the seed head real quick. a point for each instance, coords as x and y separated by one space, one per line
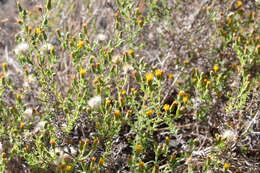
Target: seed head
21 48
95 102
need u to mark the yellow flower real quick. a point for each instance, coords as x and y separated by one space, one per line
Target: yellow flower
158 72
116 15
166 107
182 93
174 103
4 66
4 155
80 44
38 31
226 165
129 112
141 164
18 96
137 10
216 68
133 90
229 21
22 125
193 79
257 48
52 141
149 77
140 22
120 99
123 92
167 139
170 76
149 113
93 159
185 99
101 161
97 81
117 113
108 102
130 52
85 25
238 4
186 61
139 148
82 71
68 168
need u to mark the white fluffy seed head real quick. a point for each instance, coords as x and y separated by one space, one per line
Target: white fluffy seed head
46 47
28 113
1 147
29 80
21 48
116 59
127 68
39 126
95 102
229 135
101 37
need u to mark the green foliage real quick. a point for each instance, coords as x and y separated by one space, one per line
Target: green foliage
107 91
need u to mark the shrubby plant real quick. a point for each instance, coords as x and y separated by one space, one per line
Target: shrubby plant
138 95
